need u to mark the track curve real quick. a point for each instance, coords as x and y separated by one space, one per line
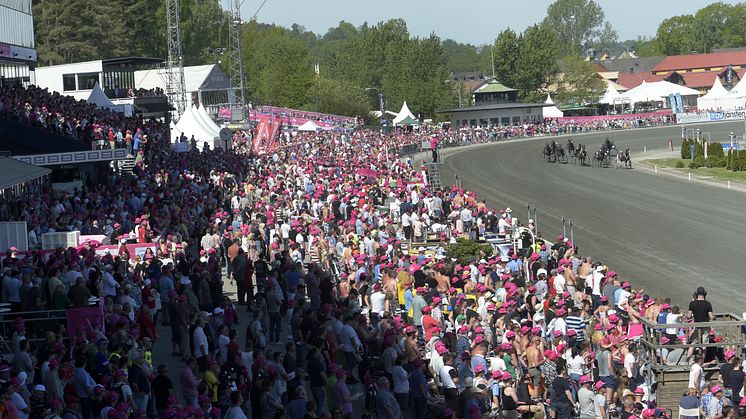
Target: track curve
663 234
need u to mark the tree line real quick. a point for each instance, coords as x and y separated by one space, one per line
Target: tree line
356 63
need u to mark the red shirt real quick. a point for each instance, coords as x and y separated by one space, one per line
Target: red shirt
428 324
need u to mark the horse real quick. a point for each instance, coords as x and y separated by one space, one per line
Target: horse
623 159
560 153
580 154
570 147
546 153
600 156
608 145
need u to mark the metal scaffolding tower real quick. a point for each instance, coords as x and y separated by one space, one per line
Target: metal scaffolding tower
175 87
238 80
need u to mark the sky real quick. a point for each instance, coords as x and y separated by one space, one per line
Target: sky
472 21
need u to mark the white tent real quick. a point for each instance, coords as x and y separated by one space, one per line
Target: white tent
405 117
610 95
308 126
99 98
204 117
551 111
717 97
655 92
190 125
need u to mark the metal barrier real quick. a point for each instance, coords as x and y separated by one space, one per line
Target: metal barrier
35 321
726 325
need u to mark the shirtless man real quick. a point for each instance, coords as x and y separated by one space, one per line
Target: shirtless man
534 357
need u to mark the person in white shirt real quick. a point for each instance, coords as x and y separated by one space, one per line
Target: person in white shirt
377 304
560 281
109 284
200 340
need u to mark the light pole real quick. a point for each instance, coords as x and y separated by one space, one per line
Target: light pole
572 232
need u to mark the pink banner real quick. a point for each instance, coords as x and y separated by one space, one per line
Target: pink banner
627 116
139 249
84 320
225 113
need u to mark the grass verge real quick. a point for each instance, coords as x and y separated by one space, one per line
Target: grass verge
720 173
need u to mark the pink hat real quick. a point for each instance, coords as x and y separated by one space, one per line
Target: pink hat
506 376
509 334
639 390
463 329
478 368
506 346
557 333
599 385
730 353
715 389
585 379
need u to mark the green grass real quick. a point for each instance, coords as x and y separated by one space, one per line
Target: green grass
720 173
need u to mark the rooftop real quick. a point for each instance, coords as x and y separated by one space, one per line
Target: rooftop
719 59
495 106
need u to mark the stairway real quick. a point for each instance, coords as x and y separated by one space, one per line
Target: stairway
672 385
433 176
126 166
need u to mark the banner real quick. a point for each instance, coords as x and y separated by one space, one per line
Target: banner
707 116
679 103
139 249
672 102
224 113
273 140
84 320
626 116
262 133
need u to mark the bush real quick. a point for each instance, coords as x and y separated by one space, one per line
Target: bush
693 165
680 164
686 152
729 160
714 161
464 249
715 149
699 161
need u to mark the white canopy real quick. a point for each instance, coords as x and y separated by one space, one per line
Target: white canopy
99 98
551 111
190 125
719 98
308 126
610 95
656 92
405 116
206 121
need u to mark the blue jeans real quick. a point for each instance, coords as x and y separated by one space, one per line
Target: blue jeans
420 408
275 322
319 395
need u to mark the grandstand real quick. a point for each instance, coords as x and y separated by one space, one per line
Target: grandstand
17 48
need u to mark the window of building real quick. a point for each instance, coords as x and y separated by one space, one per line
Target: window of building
505 120
86 81
473 122
68 82
494 121
516 120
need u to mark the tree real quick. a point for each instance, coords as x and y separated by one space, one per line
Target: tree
338 97
577 24
676 35
278 66
459 58
536 64
580 83
505 52
64 32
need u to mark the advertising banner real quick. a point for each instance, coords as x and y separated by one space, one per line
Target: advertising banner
262 134
708 116
627 116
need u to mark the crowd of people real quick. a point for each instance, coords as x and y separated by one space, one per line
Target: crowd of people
76 119
335 314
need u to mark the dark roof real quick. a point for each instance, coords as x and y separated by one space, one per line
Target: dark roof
496 106
14 172
640 64
130 61
721 59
